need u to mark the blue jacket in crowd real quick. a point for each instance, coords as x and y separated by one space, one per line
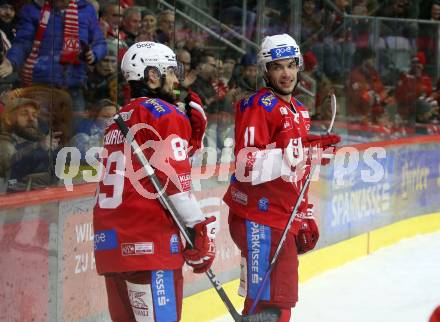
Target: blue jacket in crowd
48 69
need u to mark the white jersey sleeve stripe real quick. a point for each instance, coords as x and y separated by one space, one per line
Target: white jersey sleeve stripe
187 208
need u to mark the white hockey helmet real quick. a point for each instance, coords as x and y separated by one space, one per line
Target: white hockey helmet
145 54
278 47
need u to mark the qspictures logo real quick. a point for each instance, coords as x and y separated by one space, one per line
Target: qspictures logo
114 167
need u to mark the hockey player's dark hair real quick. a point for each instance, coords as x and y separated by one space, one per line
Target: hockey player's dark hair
140 88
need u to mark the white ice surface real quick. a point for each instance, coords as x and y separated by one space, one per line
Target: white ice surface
400 283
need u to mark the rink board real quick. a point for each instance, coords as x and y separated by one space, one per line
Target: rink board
46 237
207 305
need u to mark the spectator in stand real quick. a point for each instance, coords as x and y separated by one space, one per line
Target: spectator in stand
366 95
8 19
361 27
111 19
426 8
26 150
229 63
311 21
231 14
220 86
184 57
398 39
205 66
400 9
131 25
435 10
224 116
336 49
95 5
412 86
55 105
323 87
370 6
194 41
90 131
245 83
127 3
436 92
333 19
149 26
165 32
54 50
7 34
427 40
426 110
102 82
203 85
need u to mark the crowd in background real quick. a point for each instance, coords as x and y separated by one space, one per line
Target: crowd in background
380 58
60 78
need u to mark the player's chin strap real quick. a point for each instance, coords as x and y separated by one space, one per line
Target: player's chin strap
292 216
269 315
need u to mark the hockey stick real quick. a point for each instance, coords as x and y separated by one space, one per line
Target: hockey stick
333 106
292 215
265 316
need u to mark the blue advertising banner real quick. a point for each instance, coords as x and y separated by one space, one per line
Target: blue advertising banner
372 188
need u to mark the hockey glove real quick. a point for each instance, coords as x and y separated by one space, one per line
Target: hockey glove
308 233
197 118
201 256
324 145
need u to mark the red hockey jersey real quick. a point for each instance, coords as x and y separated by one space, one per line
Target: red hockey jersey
132 230
265 121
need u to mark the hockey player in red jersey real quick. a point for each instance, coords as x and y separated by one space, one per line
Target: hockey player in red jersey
138 247
271 133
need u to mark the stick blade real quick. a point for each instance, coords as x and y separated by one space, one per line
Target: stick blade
268 315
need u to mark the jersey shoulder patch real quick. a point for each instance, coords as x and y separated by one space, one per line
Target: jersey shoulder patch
267 101
157 107
247 102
